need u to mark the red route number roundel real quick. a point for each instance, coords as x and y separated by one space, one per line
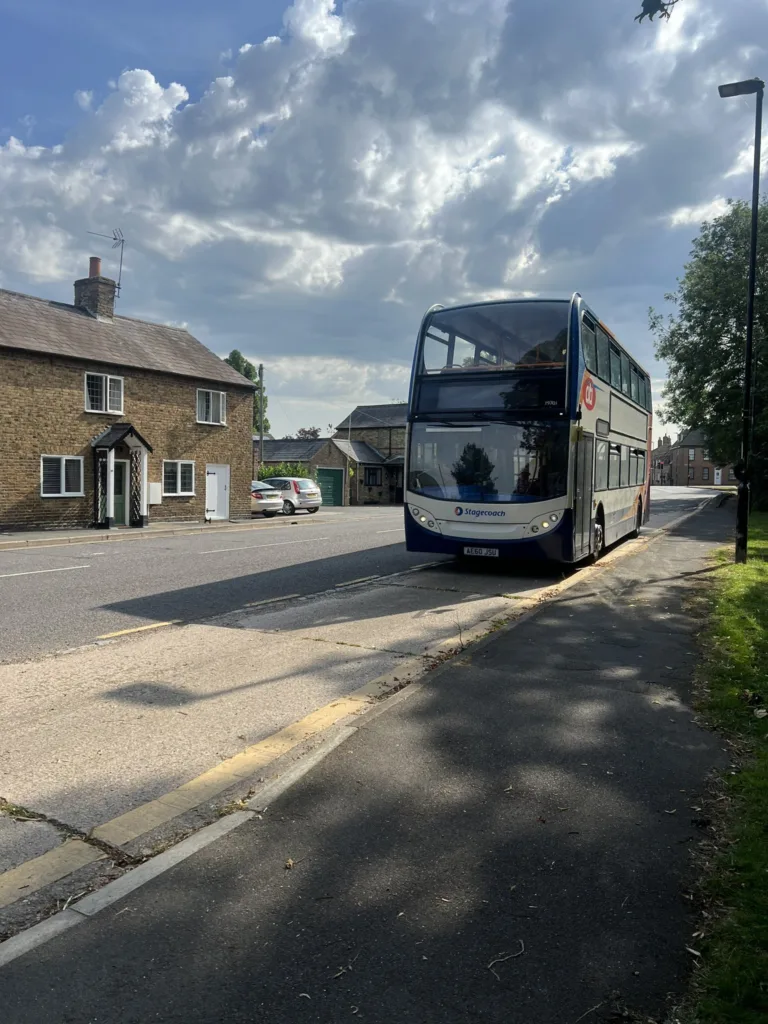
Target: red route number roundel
589 394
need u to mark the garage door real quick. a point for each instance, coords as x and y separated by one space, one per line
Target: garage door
331 483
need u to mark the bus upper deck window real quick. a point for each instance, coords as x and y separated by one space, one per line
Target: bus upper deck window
635 395
603 355
625 384
615 369
589 345
641 390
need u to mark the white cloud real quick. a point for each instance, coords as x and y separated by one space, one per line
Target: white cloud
696 215
84 98
318 391
374 158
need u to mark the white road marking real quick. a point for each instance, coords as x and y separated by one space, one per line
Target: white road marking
362 579
271 600
36 572
398 530
258 547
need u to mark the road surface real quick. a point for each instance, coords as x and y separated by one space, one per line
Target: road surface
61 597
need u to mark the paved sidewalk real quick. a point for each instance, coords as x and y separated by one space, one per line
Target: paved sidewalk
508 842
13 540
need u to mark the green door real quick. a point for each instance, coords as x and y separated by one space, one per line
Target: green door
121 489
331 483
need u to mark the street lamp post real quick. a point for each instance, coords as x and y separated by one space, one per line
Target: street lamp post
751 87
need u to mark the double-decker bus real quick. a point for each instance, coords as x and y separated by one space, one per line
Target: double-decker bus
529 433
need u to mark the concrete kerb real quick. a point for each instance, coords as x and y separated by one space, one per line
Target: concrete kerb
335 732
119 535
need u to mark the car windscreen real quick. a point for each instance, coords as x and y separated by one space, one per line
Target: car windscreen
307 485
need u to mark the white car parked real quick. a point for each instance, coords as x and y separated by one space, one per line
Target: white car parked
297 492
265 498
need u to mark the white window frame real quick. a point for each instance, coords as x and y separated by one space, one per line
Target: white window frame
178 493
62 476
222 422
106 378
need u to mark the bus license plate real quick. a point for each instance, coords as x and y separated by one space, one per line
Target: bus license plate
482 552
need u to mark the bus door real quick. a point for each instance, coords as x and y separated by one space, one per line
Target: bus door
582 504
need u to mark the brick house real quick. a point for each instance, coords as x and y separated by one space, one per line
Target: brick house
381 429
110 421
686 462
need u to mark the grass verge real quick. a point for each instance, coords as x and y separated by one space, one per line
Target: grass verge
731 983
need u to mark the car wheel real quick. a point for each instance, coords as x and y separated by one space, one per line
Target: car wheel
288 508
268 515
312 510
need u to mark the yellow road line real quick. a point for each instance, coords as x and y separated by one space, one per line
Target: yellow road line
363 579
234 770
46 869
138 629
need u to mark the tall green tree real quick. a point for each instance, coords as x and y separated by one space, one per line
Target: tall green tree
474 469
238 362
702 341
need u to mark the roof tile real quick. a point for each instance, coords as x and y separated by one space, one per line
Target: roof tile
55 328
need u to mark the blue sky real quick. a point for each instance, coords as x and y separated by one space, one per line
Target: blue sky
81 45
301 180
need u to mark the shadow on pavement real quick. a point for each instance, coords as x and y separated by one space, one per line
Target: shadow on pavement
507 843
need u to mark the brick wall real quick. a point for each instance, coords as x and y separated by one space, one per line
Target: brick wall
389 441
42 412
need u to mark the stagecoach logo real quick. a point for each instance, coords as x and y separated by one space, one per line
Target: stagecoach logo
589 393
480 512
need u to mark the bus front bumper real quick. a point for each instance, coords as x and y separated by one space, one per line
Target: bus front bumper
555 546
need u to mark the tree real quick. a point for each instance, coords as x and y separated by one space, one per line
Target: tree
474 471
238 362
308 433
653 7
703 342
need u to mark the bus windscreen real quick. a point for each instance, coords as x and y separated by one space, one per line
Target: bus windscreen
528 335
492 462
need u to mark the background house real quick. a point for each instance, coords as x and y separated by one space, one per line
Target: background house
111 421
381 429
687 462
362 464
337 465
661 462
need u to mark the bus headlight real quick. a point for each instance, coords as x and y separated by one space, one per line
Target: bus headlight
545 523
425 519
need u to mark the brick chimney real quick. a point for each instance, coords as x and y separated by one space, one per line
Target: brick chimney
96 294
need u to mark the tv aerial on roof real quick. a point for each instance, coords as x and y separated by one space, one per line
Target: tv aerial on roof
118 242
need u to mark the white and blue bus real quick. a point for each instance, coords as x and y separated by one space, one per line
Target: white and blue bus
529 433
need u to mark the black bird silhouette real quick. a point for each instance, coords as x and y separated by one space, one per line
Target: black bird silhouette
653 7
